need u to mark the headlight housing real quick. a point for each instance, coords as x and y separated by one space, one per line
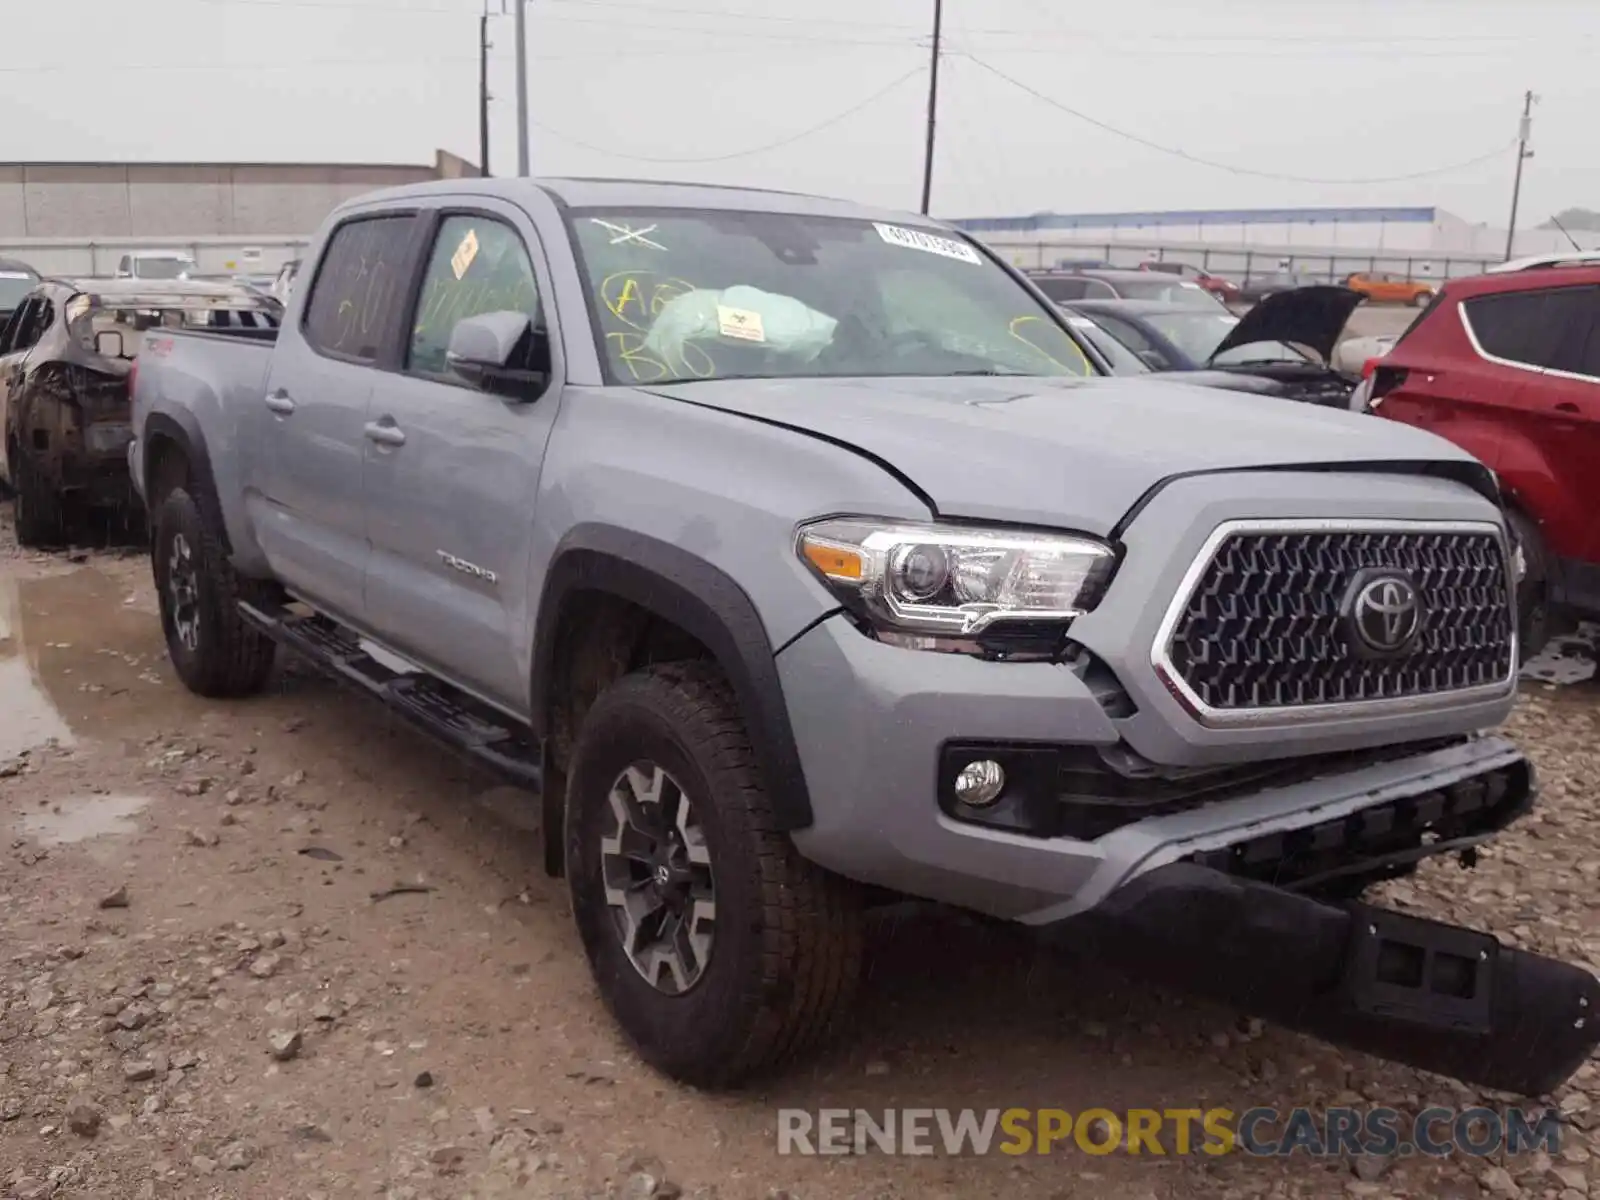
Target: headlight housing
952 580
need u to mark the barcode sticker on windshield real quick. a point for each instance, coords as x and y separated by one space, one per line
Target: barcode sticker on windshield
915 239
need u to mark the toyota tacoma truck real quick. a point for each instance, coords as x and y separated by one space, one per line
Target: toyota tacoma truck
800 559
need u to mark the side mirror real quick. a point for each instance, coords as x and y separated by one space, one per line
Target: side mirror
108 343
500 351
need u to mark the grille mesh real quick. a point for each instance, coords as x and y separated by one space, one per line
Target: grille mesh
1262 628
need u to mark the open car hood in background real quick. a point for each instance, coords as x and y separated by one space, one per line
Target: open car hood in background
1312 317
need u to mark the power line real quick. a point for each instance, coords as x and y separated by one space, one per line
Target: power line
630 26
754 150
1222 166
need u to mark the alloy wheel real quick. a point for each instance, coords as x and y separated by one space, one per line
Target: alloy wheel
656 868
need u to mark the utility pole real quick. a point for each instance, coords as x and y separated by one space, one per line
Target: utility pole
483 92
933 104
522 87
1523 154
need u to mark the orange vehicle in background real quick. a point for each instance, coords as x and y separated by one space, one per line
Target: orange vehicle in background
1384 288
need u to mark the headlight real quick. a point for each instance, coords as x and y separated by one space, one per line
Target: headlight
953 580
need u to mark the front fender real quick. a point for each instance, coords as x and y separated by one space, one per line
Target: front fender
706 603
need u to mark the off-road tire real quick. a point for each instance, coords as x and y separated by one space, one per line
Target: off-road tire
40 517
786 959
230 658
1533 591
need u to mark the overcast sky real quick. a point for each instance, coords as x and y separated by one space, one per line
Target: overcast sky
1334 90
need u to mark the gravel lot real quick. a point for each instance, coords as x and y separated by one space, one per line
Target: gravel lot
203 994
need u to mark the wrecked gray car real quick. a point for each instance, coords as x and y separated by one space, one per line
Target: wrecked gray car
66 357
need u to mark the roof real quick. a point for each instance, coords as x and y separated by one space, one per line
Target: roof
15 265
644 193
1200 216
1109 274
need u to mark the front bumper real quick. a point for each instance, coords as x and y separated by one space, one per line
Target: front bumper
872 722
1432 996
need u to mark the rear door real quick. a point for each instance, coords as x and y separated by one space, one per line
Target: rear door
1568 401
309 493
21 333
452 471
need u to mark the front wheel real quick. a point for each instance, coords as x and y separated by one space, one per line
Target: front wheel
212 648
719 950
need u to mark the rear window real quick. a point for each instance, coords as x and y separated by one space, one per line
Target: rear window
1063 289
1526 327
357 286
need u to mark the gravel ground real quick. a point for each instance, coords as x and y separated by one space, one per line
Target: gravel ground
281 948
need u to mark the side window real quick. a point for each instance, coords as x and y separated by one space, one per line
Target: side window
33 326
125 266
1096 290
356 287
1062 289
13 326
1524 327
1577 349
1129 335
478 265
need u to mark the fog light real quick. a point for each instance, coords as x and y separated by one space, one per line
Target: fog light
980 783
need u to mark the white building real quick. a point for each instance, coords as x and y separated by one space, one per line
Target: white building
1421 241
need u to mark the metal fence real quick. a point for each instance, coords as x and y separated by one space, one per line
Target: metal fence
99 256
1247 263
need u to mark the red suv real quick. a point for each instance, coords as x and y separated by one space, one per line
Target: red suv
1507 366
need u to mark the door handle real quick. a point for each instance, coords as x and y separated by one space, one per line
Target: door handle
1567 406
280 403
385 433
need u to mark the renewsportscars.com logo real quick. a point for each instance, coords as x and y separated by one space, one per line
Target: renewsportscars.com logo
1337 1132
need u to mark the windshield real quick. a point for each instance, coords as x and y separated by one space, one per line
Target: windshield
1122 359
14 285
689 295
1198 335
1173 291
162 268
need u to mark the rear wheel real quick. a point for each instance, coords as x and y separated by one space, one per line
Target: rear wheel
1533 589
212 649
40 516
719 950
1420 300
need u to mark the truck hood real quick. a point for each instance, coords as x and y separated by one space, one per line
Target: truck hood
1313 317
1075 454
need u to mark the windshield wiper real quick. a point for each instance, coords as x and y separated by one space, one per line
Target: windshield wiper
995 371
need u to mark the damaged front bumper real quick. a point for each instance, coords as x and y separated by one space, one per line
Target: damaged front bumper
1432 996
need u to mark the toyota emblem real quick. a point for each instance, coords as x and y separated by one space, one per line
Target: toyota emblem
1384 613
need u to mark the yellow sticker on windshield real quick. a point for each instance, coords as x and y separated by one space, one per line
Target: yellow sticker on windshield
740 323
465 253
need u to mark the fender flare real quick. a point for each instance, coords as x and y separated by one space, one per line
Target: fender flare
181 428
705 602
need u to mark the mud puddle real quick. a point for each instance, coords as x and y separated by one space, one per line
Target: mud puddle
73 653
83 818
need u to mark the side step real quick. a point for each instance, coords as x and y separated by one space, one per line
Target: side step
459 721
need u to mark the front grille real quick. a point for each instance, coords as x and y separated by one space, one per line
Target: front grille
1262 627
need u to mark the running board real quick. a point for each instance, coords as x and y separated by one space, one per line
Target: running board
466 725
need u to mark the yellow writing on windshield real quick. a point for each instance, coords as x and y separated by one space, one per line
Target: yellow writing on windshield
1021 327
646 366
636 297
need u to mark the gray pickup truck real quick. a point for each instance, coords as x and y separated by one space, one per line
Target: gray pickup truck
801 559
